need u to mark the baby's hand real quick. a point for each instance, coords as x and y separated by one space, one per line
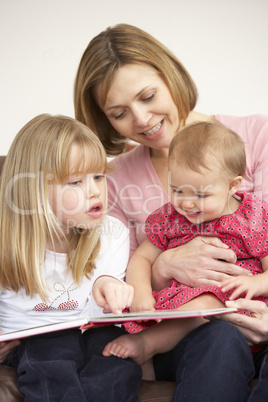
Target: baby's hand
250 285
145 302
111 294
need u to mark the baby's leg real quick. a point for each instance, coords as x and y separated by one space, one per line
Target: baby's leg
132 346
162 337
129 345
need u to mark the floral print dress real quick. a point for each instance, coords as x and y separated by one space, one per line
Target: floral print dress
245 232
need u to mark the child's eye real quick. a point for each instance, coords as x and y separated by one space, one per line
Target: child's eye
177 191
98 177
74 183
201 195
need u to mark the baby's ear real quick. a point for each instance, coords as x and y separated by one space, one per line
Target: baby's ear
235 184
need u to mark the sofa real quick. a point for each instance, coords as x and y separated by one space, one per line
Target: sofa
150 391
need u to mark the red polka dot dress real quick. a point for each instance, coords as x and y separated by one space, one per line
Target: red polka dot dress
245 232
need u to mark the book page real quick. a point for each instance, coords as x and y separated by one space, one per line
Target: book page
87 322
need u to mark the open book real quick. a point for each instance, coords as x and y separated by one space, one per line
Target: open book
88 322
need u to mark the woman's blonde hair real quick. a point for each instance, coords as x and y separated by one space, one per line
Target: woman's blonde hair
40 153
104 55
200 143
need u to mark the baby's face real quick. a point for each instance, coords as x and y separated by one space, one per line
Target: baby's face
200 197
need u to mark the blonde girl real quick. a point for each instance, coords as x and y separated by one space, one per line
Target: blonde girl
59 260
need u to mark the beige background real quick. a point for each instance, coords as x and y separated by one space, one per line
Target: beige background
223 44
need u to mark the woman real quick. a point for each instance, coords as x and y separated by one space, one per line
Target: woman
130 87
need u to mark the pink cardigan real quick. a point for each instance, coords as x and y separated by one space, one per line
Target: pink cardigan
135 190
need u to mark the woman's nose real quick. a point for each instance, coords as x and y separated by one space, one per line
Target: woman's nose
141 117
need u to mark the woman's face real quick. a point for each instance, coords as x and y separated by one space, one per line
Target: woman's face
140 107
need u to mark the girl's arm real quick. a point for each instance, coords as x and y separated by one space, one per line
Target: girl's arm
109 290
202 261
139 275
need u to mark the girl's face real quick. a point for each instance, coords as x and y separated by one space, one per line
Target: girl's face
200 197
140 107
79 201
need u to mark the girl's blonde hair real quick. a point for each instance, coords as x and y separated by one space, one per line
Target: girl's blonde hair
104 55
40 153
196 145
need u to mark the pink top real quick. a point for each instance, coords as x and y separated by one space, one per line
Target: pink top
135 190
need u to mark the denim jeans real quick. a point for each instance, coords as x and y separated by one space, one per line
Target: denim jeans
212 364
67 366
259 392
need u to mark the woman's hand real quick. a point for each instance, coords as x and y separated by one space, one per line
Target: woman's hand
253 327
112 295
6 347
202 261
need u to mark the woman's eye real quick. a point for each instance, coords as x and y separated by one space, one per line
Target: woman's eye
149 98
119 116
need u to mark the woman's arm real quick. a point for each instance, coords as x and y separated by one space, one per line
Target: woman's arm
202 261
253 130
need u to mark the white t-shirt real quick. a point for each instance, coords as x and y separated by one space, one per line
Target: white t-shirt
67 301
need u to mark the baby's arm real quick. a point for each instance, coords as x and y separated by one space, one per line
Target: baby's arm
139 274
252 286
112 294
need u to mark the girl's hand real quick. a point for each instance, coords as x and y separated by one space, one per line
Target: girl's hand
202 261
253 327
6 347
111 294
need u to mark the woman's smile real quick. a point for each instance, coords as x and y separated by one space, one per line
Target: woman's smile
154 130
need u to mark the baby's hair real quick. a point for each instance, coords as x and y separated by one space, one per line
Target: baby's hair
201 143
38 155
